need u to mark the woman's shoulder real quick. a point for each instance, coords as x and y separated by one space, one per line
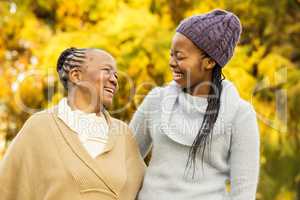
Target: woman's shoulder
155 93
119 125
158 93
38 119
33 129
122 128
237 105
151 101
245 111
245 106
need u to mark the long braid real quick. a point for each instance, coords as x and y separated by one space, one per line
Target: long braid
69 59
206 131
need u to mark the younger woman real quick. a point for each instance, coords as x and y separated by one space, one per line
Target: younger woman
202 134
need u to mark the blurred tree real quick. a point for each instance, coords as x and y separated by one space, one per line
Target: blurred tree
265 66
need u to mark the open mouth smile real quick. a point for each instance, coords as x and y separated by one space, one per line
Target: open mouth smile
110 90
177 74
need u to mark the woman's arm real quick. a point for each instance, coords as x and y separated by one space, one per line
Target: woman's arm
15 181
140 123
244 154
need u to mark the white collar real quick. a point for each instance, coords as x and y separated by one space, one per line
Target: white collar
229 104
191 103
87 125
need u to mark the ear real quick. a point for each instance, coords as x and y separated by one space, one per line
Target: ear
75 75
210 64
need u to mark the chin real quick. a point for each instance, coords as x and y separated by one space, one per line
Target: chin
107 102
181 82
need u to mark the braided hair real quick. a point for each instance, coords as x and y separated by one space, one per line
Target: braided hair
204 135
69 59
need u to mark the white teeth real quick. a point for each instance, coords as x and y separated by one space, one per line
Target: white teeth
109 90
176 74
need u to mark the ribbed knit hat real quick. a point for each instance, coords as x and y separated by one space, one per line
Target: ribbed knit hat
216 33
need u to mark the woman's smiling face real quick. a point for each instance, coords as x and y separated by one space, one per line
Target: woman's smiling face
101 73
189 65
96 79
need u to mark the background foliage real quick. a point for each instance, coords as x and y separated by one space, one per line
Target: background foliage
138 33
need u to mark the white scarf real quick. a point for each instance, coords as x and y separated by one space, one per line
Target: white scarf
91 129
229 105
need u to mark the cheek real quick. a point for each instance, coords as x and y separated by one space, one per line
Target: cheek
97 78
197 73
95 81
191 68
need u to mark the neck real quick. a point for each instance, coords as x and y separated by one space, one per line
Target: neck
200 89
83 102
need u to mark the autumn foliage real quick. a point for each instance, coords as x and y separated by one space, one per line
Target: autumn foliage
137 33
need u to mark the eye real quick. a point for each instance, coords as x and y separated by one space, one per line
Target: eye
107 70
116 75
180 56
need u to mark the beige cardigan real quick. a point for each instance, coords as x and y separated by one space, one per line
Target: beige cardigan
47 161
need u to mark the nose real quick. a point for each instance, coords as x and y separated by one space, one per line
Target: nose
113 79
172 62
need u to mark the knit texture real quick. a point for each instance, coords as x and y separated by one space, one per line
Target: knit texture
46 160
168 121
92 130
217 33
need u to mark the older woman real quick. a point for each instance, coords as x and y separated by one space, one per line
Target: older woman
75 150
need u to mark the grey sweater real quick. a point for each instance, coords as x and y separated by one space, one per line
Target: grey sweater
168 121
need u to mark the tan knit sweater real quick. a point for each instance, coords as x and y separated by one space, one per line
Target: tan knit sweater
46 161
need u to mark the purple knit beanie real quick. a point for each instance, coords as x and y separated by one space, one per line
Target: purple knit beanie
216 33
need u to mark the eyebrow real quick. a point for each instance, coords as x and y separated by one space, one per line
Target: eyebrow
106 65
177 51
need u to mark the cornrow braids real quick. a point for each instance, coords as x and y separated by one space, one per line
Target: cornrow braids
204 135
69 59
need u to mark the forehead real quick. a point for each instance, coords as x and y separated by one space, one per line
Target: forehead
181 42
99 57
